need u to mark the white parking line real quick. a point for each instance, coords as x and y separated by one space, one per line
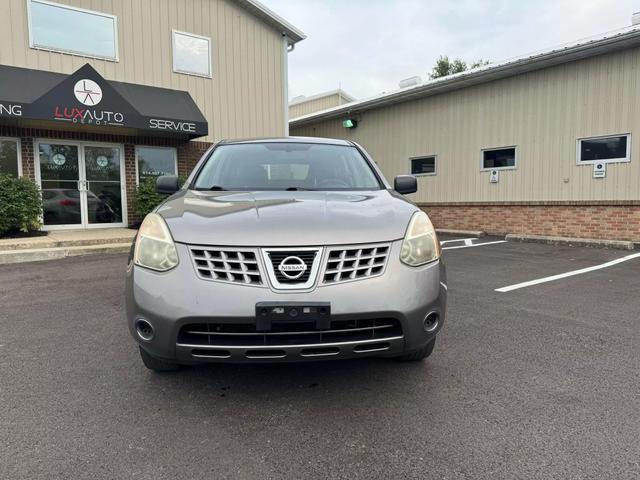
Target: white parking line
567 274
475 245
465 240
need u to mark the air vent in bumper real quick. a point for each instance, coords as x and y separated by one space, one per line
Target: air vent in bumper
288 333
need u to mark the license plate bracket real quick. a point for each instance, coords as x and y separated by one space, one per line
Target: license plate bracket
281 312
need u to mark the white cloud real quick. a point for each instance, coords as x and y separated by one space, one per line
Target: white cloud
367 46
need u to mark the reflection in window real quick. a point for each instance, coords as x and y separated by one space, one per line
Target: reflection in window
191 54
605 149
67 29
154 162
497 158
9 157
423 166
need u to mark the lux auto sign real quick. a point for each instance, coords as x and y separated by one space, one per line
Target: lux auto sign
88 93
10 110
187 127
85 98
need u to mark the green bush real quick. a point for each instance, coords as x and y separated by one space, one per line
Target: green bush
20 205
146 198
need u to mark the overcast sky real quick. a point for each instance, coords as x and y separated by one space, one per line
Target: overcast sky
367 46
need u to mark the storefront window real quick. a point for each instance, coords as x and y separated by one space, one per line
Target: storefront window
154 162
9 157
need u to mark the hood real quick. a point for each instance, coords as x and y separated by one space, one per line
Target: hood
298 218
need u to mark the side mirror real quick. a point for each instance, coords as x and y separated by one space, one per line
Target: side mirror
405 184
167 184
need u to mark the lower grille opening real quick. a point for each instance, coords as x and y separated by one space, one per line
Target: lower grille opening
210 353
372 347
266 354
319 352
222 334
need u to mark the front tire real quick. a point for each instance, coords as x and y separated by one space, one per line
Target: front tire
418 355
155 364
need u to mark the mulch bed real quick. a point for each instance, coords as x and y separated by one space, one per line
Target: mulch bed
37 233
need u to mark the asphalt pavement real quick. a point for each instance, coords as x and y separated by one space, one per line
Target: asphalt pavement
536 383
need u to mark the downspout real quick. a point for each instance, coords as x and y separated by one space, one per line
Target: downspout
285 80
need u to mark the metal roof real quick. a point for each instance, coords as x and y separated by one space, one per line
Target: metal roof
611 41
272 18
304 99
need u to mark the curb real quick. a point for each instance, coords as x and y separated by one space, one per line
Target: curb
47 243
582 242
467 233
40 254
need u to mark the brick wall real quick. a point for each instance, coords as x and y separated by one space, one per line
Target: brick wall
188 152
601 220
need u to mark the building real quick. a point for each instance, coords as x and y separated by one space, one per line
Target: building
91 102
302 105
545 144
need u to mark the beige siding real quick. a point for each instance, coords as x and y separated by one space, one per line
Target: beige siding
244 98
316 105
542 112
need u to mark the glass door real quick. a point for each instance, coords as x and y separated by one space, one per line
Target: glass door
103 176
82 185
61 184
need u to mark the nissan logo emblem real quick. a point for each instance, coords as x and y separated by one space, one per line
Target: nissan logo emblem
292 267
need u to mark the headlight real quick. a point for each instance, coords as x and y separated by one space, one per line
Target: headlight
420 244
154 246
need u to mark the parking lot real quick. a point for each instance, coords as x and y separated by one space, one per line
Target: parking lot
534 381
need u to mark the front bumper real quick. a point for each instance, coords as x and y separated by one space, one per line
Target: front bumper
174 299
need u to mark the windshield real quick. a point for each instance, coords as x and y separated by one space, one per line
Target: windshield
286 166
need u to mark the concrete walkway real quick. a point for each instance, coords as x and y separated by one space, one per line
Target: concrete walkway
65 243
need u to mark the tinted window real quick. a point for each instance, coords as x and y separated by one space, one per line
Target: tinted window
153 162
191 54
606 148
59 27
9 157
281 166
499 158
423 166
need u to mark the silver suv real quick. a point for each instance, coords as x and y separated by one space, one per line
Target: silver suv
285 250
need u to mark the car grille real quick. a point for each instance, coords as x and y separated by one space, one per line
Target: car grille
276 257
288 333
310 257
344 264
227 265
242 265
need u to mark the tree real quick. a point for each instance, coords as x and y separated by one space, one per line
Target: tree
444 66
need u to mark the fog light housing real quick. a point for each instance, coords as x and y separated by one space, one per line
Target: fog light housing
144 330
431 322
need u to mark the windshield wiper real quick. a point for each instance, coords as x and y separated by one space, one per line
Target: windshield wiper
293 189
216 188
